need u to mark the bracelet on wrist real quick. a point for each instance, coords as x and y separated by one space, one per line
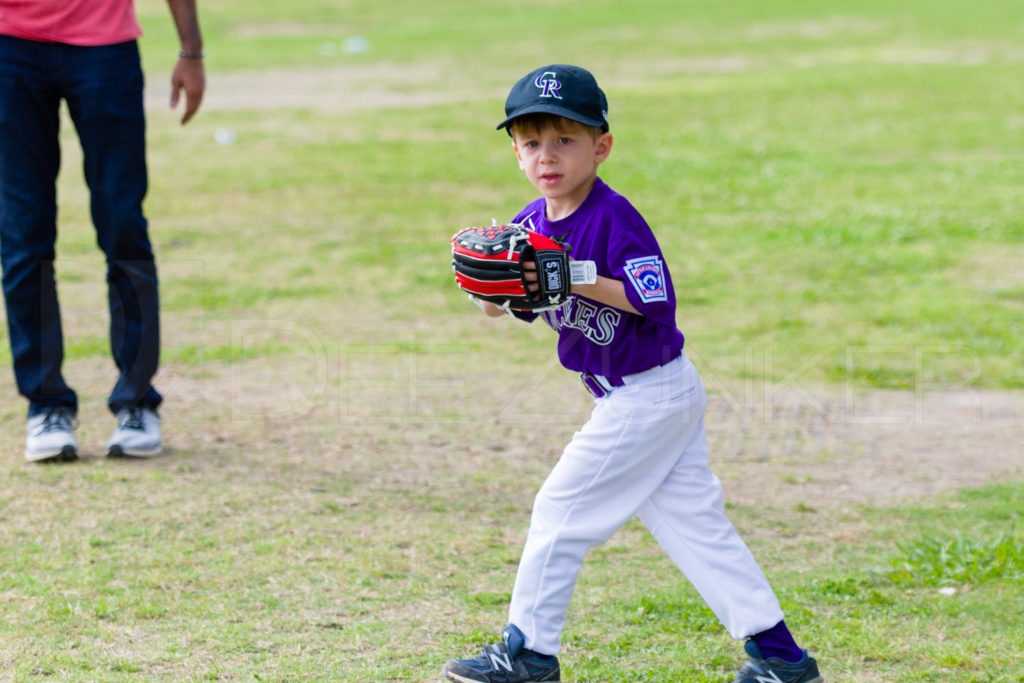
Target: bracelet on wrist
192 54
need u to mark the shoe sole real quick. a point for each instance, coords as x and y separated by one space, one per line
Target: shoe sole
119 452
65 454
455 677
449 676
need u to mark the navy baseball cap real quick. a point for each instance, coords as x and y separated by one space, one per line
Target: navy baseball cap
560 89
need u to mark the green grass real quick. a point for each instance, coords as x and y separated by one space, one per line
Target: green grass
836 187
306 576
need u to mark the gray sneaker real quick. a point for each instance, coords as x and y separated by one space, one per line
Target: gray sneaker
51 436
137 434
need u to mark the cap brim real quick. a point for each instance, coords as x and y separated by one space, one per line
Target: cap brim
552 109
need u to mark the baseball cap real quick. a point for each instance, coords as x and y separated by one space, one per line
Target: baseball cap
560 89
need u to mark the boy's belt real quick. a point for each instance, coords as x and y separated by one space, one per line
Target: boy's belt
598 385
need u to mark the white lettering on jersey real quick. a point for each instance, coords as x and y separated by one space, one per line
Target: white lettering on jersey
597 323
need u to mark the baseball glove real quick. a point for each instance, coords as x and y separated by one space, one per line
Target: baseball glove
488 264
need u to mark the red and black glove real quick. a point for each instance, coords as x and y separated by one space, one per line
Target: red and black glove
488 264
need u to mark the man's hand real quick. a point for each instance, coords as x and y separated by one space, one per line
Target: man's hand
188 76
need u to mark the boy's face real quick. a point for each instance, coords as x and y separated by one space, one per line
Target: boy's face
561 162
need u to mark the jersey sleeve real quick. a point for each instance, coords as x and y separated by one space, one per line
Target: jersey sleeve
635 257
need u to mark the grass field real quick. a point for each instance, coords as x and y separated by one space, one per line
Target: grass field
352 450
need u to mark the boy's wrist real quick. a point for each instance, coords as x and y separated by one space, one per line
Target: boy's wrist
582 272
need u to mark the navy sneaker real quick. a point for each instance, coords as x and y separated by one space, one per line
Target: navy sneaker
772 670
505 662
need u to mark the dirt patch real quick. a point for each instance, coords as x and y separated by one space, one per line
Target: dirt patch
333 88
826 447
398 422
829 447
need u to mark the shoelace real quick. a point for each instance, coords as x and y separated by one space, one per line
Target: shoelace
132 419
54 420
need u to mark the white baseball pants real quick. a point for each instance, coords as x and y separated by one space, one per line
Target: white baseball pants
643 451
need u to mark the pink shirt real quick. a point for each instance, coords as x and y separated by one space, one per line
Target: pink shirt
76 22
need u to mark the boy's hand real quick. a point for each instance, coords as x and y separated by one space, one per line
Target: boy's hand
491 310
530 275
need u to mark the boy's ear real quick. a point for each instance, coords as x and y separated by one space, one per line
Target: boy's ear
519 157
603 147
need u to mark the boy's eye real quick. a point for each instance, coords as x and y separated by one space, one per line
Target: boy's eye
564 140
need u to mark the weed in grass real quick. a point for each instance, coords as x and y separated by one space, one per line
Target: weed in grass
936 561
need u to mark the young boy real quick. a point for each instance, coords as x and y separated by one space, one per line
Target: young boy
643 450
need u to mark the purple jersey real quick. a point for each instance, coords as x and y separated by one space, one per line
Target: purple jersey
594 337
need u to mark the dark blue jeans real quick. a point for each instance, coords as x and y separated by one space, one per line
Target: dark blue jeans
103 90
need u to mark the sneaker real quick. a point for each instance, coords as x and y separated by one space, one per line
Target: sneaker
137 434
51 436
505 662
761 670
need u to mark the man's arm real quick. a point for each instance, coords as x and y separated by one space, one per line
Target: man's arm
189 74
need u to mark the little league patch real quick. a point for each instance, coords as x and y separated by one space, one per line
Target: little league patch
647 274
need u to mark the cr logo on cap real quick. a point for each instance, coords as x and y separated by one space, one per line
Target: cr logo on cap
549 87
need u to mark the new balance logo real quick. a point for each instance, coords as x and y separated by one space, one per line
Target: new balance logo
503 661
770 678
